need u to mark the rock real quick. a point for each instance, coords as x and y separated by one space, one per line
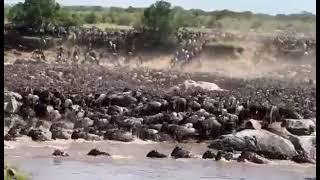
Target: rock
306 144
156 154
259 141
300 127
96 152
178 152
208 155
190 84
253 124
58 152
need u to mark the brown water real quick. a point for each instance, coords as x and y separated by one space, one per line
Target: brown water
128 162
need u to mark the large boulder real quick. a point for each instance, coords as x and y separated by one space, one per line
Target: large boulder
190 84
305 145
260 141
253 124
300 127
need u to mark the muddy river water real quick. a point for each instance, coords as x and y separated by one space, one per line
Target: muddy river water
128 162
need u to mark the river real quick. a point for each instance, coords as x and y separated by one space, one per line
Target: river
128 162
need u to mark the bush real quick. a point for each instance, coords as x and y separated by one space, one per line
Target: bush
10 173
124 19
91 18
34 12
66 18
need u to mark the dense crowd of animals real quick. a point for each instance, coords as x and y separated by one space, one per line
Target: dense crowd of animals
93 103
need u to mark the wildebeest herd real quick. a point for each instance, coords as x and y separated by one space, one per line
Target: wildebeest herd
93 103
67 101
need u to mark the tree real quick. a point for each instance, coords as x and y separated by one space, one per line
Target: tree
34 12
157 18
66 18
91 18
16 14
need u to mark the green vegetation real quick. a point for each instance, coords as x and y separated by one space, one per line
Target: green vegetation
157 19
34 12
159 14
10 174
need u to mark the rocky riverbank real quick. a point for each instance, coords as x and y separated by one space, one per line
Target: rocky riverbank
261 117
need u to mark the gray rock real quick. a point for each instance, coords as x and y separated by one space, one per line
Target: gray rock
253 124
259 141
300 126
